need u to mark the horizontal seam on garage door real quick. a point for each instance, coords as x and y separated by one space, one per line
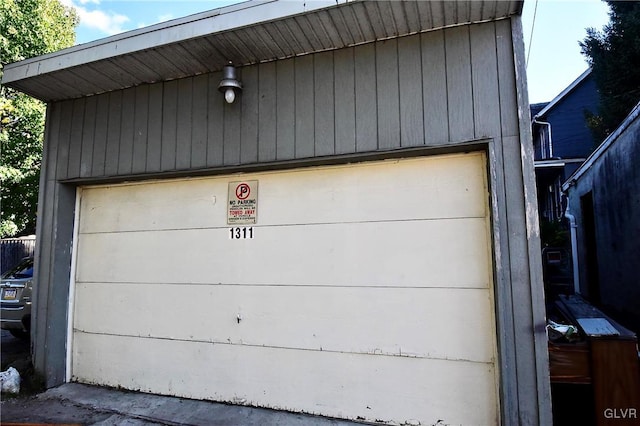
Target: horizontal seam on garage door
201 228
345 286
260 346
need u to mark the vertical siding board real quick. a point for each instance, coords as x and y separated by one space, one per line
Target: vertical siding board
519 264
52 141
232 133
43 260
140 126
304 112
169 126
215 122
125 153
58 282
507 80
88 132
388 94
524 386
503 288
411 104
44 225
75 142
345 107
100 136
52 272
536 392
199 124
366 98
249 128
434 88
285 110
64 136
184 123
324 104
154 128
504 291
459 89
267 117
112 152
484 67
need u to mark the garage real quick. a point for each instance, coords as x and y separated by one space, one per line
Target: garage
362 291
353 233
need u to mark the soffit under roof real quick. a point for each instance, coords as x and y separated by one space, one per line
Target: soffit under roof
246 33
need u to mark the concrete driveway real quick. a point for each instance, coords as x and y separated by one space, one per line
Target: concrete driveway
73 403
77 404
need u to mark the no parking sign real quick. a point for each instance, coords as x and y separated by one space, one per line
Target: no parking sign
243 202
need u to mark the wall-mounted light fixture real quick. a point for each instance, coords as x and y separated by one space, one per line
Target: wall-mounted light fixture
229 83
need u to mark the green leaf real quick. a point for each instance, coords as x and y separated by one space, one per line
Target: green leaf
28 28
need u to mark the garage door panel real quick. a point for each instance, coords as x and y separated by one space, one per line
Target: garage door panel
419 189
432 323
446 253
452 187
334 384
183 204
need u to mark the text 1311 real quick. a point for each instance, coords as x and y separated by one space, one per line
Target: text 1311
243 233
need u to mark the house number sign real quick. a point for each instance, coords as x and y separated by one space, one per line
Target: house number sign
241 233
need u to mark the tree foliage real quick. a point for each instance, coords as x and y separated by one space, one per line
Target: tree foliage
28 28
614 56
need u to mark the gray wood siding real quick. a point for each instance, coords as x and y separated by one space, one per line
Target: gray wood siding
141 130
433 89
199 124
267 114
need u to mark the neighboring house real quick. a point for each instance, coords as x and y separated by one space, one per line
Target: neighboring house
562 141
604 197
354 235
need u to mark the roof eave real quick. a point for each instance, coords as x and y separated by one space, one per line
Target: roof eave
219 20
246 33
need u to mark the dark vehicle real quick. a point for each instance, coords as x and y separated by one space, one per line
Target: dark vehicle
15 299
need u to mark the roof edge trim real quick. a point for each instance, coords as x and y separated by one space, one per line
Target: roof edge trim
562 94
198 25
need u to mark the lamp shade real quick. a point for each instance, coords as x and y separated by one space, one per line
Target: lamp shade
229 83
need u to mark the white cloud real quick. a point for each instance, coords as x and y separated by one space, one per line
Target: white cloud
105 21
108 22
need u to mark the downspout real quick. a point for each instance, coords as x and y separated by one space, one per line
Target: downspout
573 228
545 123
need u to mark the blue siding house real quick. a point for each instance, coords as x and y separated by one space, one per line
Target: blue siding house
562 141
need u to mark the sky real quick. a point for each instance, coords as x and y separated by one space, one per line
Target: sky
552 30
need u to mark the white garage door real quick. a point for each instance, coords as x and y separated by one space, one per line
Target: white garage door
366 291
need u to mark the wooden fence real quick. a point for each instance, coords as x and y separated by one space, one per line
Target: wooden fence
13 250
